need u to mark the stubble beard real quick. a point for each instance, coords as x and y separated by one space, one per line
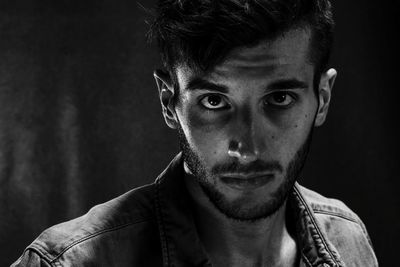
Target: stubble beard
235 209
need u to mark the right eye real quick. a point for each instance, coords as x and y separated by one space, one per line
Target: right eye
214 102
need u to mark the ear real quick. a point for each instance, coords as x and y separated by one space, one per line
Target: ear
324 95
166 93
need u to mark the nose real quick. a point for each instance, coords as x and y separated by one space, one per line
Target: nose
242 152
248 141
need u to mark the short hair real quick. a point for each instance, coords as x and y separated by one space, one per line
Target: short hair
200 33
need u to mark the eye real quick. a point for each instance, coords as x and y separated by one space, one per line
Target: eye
214 102
279 99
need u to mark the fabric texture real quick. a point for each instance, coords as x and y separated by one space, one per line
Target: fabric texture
153 226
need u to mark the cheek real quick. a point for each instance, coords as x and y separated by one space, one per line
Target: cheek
293 129
205 121
205 132
295 118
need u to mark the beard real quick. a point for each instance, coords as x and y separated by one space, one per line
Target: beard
236 209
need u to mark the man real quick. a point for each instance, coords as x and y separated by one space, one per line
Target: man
245 84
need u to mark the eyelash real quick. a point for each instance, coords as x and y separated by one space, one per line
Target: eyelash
213 109
288 93
266 105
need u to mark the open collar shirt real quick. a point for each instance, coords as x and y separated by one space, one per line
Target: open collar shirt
153 226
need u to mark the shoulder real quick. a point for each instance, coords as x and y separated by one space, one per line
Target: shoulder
327 206
103 226
342 227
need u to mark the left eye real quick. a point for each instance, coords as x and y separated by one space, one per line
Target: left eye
279 99
214 102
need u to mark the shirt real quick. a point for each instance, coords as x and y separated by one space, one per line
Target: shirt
153 226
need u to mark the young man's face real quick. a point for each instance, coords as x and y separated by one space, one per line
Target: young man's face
245 126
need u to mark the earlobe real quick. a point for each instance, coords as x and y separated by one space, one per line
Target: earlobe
166 93
324 95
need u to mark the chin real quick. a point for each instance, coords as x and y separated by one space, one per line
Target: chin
246 205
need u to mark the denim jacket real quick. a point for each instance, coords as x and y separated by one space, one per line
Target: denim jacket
153 226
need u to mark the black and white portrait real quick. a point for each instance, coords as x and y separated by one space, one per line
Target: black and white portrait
198 133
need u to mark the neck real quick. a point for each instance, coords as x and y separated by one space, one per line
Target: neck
231 242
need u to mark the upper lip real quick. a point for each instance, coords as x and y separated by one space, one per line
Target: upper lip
246 175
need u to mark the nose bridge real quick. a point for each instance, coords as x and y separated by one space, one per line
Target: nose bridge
247 141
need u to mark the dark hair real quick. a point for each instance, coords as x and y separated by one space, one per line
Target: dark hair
200 33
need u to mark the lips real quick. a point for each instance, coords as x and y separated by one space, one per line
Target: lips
246 182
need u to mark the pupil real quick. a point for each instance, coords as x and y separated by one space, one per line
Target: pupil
214 100
280 97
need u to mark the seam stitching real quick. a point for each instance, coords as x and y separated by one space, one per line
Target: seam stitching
42 254
94 235
336 215
306 260
162 225
316 226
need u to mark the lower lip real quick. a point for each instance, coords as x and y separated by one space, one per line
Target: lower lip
247 183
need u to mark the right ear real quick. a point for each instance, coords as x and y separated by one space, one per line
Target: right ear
166 93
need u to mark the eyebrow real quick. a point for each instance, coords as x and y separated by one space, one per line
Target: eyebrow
292 83
201 84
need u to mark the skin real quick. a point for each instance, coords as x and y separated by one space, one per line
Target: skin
248 117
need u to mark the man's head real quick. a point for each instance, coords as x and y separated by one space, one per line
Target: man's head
246 84
200 33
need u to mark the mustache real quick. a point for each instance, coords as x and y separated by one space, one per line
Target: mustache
253 167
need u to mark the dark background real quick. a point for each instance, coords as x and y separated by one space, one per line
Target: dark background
80 121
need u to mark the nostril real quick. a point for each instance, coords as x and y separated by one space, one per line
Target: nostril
241 151
234 145
233 149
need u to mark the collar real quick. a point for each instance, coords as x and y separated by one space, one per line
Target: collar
181 245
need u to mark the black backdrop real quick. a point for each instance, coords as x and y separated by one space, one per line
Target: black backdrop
80 121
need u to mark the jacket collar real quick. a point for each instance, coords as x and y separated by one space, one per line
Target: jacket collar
181 245
315 248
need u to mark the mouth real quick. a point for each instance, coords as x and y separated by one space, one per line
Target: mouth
246 182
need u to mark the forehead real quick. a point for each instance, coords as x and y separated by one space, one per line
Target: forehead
286 55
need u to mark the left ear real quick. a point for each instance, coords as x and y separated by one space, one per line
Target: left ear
324 95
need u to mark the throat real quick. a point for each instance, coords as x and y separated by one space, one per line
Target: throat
232 243
229 242
247 244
